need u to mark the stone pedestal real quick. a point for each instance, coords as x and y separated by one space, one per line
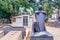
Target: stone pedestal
41 36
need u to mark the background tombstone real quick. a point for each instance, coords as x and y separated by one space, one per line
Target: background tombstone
38 30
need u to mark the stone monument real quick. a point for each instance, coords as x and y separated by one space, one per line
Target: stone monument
38 30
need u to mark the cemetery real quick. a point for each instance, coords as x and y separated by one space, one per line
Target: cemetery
29 19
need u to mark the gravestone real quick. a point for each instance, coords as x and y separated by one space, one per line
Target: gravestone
38 30
8 28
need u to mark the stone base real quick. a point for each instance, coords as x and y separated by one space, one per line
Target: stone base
41 36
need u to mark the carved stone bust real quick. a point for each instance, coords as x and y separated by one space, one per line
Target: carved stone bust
40 16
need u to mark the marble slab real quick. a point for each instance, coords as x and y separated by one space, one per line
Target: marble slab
13 35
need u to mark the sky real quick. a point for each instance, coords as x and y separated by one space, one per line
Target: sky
37 0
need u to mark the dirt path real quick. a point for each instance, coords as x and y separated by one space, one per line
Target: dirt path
53 30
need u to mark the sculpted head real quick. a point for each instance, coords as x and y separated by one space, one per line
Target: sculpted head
40 8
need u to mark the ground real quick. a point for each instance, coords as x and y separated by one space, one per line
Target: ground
55 31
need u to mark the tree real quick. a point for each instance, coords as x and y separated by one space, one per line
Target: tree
58 6
12 6
9 7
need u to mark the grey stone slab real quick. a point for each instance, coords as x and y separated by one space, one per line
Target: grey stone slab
41 36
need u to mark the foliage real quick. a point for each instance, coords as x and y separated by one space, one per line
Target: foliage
8 7
47 6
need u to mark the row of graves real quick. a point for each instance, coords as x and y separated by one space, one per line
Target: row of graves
7 32
17 29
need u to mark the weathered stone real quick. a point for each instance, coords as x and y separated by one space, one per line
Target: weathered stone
38 30
41 36
8 28
13 35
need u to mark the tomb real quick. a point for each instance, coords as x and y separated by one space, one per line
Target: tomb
13 35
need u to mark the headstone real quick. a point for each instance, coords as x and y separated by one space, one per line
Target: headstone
38 30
